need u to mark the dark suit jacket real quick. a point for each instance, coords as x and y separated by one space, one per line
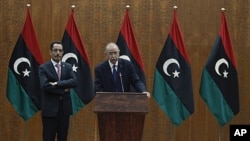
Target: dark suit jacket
53 95
104 81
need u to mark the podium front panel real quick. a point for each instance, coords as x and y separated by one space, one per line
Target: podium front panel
121 102
121 115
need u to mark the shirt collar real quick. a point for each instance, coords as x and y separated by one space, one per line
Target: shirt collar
111 65
54 63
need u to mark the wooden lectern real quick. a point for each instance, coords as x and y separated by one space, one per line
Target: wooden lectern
120 115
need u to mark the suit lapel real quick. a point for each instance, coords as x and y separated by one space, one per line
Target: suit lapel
107 68
63 70
52 69
108 72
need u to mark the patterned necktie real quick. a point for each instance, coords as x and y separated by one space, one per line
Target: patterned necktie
58 70
114 73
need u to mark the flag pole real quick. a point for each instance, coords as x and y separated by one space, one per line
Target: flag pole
219 133
172 132
26 126
70 118
222 10
172 125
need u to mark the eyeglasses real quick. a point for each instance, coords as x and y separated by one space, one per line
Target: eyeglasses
57 50
113 53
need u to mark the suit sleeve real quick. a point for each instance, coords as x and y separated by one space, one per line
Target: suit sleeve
135 80
44 81
98 82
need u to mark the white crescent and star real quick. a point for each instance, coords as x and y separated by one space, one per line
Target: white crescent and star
165 65
124 57
71 55
218 64
19 61
169 62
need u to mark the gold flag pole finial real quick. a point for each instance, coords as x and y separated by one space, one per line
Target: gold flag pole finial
127 6
223 9
28 5
175 7
73 6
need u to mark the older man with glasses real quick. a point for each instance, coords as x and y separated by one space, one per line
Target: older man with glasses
116 74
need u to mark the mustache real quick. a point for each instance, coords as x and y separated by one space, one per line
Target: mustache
113 59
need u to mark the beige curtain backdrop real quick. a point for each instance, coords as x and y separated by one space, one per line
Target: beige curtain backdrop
99 22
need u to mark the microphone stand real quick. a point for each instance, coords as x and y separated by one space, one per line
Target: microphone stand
120 74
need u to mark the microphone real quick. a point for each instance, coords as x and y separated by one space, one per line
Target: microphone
120 74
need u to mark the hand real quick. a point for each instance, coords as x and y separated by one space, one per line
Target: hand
147 93
53 83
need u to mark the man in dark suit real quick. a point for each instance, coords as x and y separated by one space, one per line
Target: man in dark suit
56 79
115 74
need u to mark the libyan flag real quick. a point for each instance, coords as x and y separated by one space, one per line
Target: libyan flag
172 89
128 47
219 82
23 88
75 54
